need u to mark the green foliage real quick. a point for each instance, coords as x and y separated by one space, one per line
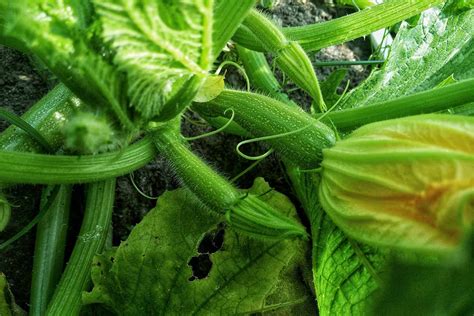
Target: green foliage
54 31
7 301
161 45
443 288
345 272
440 45
150 272
403 184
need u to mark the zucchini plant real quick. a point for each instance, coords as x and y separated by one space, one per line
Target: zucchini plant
383 171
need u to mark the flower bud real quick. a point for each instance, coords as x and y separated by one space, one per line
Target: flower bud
406 183
86 133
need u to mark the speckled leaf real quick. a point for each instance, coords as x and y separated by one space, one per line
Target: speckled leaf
345 273
149 274
440 45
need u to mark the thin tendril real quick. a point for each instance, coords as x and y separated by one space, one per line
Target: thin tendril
194 122
217 130
348 63
263 156
34 221
263 138
246 170
319 118
242 70
27 128
132 179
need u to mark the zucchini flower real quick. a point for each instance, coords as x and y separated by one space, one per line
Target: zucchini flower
406 183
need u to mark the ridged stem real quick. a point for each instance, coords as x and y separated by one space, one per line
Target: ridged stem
228 15
48 262
47 116
48 169
260 74
91 239
313 37
430 101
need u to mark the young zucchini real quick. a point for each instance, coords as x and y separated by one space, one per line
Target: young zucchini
293 133
246 213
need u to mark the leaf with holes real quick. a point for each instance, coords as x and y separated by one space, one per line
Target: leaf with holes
170 263
164 46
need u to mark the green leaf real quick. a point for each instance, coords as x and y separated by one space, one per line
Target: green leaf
7 302
52 30
345 273
228 15
210 89
161 45
294 293
440 45
445 288
330 85
150 273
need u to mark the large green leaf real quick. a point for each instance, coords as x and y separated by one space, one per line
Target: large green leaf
439 46
345 273
150 273
161 45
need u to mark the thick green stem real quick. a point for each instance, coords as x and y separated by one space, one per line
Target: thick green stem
47 116
245 213
91 239
211 188
5 212
49 250
293 133
260 74
291 58
228 15
313 37
430 101
48 169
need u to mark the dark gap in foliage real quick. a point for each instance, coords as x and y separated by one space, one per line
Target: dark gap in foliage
211 242
201 265
78 199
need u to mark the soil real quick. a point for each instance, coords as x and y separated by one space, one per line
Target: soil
21 86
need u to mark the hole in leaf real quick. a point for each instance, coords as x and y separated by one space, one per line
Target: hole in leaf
212 241
201 265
